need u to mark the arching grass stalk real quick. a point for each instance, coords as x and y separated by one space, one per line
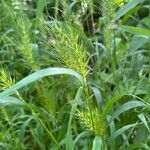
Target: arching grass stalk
38 119
6 82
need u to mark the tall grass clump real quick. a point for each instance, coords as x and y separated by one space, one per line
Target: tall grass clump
78 81
70 44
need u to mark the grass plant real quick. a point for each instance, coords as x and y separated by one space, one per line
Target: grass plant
75 75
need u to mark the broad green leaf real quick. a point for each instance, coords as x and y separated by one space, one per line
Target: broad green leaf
124 9
134 30
125 107
97 143
120 132
10 101
40 74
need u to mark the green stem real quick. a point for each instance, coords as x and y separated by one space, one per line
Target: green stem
36 116
56 8
87 95
49 133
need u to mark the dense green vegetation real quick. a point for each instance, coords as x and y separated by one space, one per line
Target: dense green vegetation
74 74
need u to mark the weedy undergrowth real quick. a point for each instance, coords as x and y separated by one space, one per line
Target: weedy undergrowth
78 79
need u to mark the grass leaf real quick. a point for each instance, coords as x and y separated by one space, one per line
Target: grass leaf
40 74
98 96
110 104
143 119
125 107
123 10
120 132
10 101
40 7
97 143
134 30
69 140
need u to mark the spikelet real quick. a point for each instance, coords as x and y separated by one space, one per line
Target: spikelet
108 11
6 80
119 3
93 121
25 47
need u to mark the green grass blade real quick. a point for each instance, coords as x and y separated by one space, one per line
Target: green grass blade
123 10
134 30
112 130
97 143
10 101
83 134
143 119
120 132
110 104
125 107
97 94
69 139
40 74
40 7
136 146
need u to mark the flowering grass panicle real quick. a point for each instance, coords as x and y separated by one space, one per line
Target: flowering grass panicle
93 121
6 80
68 42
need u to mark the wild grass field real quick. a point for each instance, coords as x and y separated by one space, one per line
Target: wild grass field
74 74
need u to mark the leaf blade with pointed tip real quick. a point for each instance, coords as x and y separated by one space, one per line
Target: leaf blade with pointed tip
123 10
134 30
69 139
40 74
143 119
125 107
120 131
